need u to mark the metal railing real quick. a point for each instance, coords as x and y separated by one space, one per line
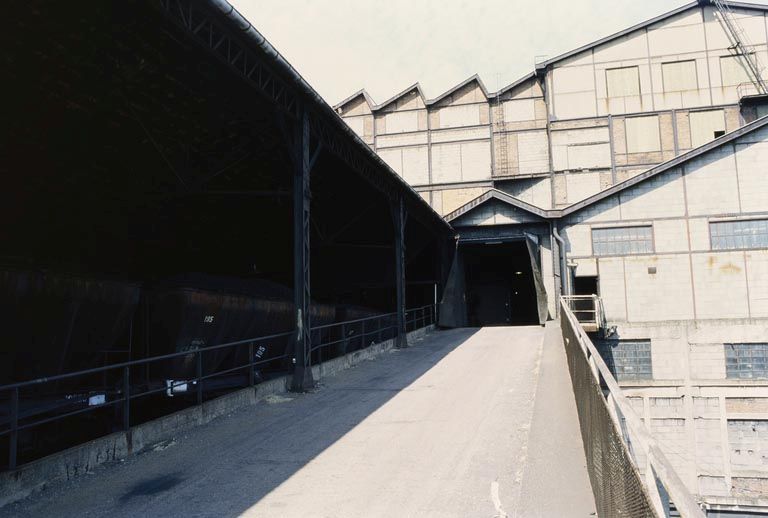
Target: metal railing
588 310
630 475
133 379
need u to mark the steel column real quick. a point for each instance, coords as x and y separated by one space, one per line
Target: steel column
302 374
398 220
14 442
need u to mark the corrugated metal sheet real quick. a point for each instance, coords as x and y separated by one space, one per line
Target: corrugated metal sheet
623 82
679 76
582 148
733 71
393 158
399 122
475 160
446 163
458 116
704 125
357 124
415 165
459 134
385 141
642 134
532 152
589 156
519 110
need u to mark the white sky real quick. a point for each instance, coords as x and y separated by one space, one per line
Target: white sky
384 46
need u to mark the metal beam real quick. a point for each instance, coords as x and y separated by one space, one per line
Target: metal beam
398 220
302 374
253 194
227 35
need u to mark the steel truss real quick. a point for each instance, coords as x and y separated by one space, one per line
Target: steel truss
208 29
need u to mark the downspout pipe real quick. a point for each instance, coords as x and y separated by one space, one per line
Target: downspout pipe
564 285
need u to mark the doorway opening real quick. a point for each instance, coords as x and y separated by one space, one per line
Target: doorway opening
500 289
585 285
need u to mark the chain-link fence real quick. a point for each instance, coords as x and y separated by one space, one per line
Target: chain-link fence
630 475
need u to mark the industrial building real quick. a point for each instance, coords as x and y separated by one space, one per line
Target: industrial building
190 227
632 169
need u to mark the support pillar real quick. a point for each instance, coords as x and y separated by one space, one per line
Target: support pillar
398 219
302 374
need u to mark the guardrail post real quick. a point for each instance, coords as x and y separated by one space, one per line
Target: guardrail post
13 447
344 340
127 398
363 337
251 380
199 353
659 502
378 333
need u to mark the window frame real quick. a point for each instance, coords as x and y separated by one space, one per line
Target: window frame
746 360
712 223
648 226
602 345
607 82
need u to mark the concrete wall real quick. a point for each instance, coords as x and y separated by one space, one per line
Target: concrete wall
689 301
713 429
684 278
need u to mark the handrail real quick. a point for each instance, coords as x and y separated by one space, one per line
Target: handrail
419 317
633 432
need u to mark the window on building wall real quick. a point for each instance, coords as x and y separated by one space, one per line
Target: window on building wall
622 82
622 240
746 361
735 235
734 71
679 76
627 359
642 134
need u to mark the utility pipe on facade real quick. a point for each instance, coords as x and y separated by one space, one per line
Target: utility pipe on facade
564 284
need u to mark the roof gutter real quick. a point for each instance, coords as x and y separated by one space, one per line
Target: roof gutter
256 38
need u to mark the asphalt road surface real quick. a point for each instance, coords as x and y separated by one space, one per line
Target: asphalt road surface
465 423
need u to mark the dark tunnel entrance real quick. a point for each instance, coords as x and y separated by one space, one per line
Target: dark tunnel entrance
500 287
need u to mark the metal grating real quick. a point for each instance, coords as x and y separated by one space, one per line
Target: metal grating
616 483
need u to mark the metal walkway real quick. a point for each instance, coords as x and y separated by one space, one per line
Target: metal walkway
464 423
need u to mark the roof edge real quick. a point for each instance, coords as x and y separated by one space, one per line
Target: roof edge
495 194
415 86
239 22
354 96
665 166
646 23
474 77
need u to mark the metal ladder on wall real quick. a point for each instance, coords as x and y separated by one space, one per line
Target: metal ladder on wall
741 46
501 153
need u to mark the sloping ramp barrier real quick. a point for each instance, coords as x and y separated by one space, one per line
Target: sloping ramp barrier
630 475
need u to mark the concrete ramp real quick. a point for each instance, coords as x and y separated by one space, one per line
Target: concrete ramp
467 422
